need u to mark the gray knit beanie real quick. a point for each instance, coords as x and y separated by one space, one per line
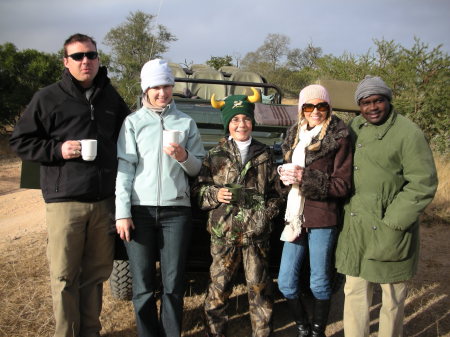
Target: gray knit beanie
372 85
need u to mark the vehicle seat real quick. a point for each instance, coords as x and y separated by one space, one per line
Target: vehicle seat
178 71
228 70
275 114
243 76
197 67
203 90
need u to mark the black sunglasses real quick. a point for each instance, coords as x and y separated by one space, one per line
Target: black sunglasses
91 55
322 107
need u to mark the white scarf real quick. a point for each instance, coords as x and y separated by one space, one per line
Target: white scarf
296 201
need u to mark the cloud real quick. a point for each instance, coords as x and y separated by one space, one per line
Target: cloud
207 28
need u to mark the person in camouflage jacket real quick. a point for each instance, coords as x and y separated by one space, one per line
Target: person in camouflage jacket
240 231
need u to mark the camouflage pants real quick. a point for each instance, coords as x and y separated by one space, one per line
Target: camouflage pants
225 265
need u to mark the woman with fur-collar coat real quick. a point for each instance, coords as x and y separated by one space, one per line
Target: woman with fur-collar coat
319 146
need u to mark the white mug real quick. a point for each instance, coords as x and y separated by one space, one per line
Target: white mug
88 149
286 167
171 136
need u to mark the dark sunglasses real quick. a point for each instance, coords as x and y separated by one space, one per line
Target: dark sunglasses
322 107
91 55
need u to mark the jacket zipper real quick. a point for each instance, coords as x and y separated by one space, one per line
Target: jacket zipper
58 179
99 170
160 163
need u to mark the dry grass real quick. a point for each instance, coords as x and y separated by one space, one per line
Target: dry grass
26 309
25 304
439 210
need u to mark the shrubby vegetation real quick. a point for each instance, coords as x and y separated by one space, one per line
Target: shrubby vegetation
419 76
132 44
21 74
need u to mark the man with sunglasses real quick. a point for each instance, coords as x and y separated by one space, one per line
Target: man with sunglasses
79 194
394 180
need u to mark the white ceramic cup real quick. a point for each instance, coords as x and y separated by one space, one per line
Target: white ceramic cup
171 136
88 149
286 167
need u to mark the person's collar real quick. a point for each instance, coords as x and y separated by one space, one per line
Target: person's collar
156 109
78 84
241 144
382 129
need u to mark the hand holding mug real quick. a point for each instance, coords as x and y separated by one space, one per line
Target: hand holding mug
176 151
171 145
71 149
290 173
224 195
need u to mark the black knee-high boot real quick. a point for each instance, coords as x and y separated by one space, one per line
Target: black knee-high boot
300 317
320 317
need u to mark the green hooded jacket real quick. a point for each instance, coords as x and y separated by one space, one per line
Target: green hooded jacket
394 180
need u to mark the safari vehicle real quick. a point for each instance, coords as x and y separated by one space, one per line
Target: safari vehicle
192 92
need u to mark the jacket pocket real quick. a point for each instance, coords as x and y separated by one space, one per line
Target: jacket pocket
388 245
259 224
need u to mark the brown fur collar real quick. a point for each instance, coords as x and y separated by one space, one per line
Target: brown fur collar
336 130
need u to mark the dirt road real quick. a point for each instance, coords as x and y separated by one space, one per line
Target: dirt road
22 241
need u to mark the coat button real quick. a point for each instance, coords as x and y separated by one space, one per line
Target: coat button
359 145
352 214
356 168
374 228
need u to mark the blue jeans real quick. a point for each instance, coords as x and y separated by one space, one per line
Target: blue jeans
167 231
321 243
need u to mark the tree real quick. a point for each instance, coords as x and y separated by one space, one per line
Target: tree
22 73
423 91
133 43
217 62
274 48
298 59
346 67
270 53
252 60
419 78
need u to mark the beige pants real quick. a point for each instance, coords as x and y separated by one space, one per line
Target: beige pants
80 253
358 299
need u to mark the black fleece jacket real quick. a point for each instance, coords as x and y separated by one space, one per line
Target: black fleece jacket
61 112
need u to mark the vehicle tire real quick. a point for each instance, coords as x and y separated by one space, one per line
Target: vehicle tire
120 280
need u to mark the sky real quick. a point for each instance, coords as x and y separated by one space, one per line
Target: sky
206 28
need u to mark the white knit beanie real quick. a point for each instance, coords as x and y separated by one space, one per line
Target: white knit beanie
311 92
155 73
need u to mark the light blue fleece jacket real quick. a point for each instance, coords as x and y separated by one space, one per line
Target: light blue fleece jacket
146 175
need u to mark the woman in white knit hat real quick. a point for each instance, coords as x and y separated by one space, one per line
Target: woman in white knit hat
319 147
153 214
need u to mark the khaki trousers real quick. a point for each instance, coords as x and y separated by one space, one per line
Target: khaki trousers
80 251
358 299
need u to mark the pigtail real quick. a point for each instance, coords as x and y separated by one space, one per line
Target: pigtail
316 146
288 155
